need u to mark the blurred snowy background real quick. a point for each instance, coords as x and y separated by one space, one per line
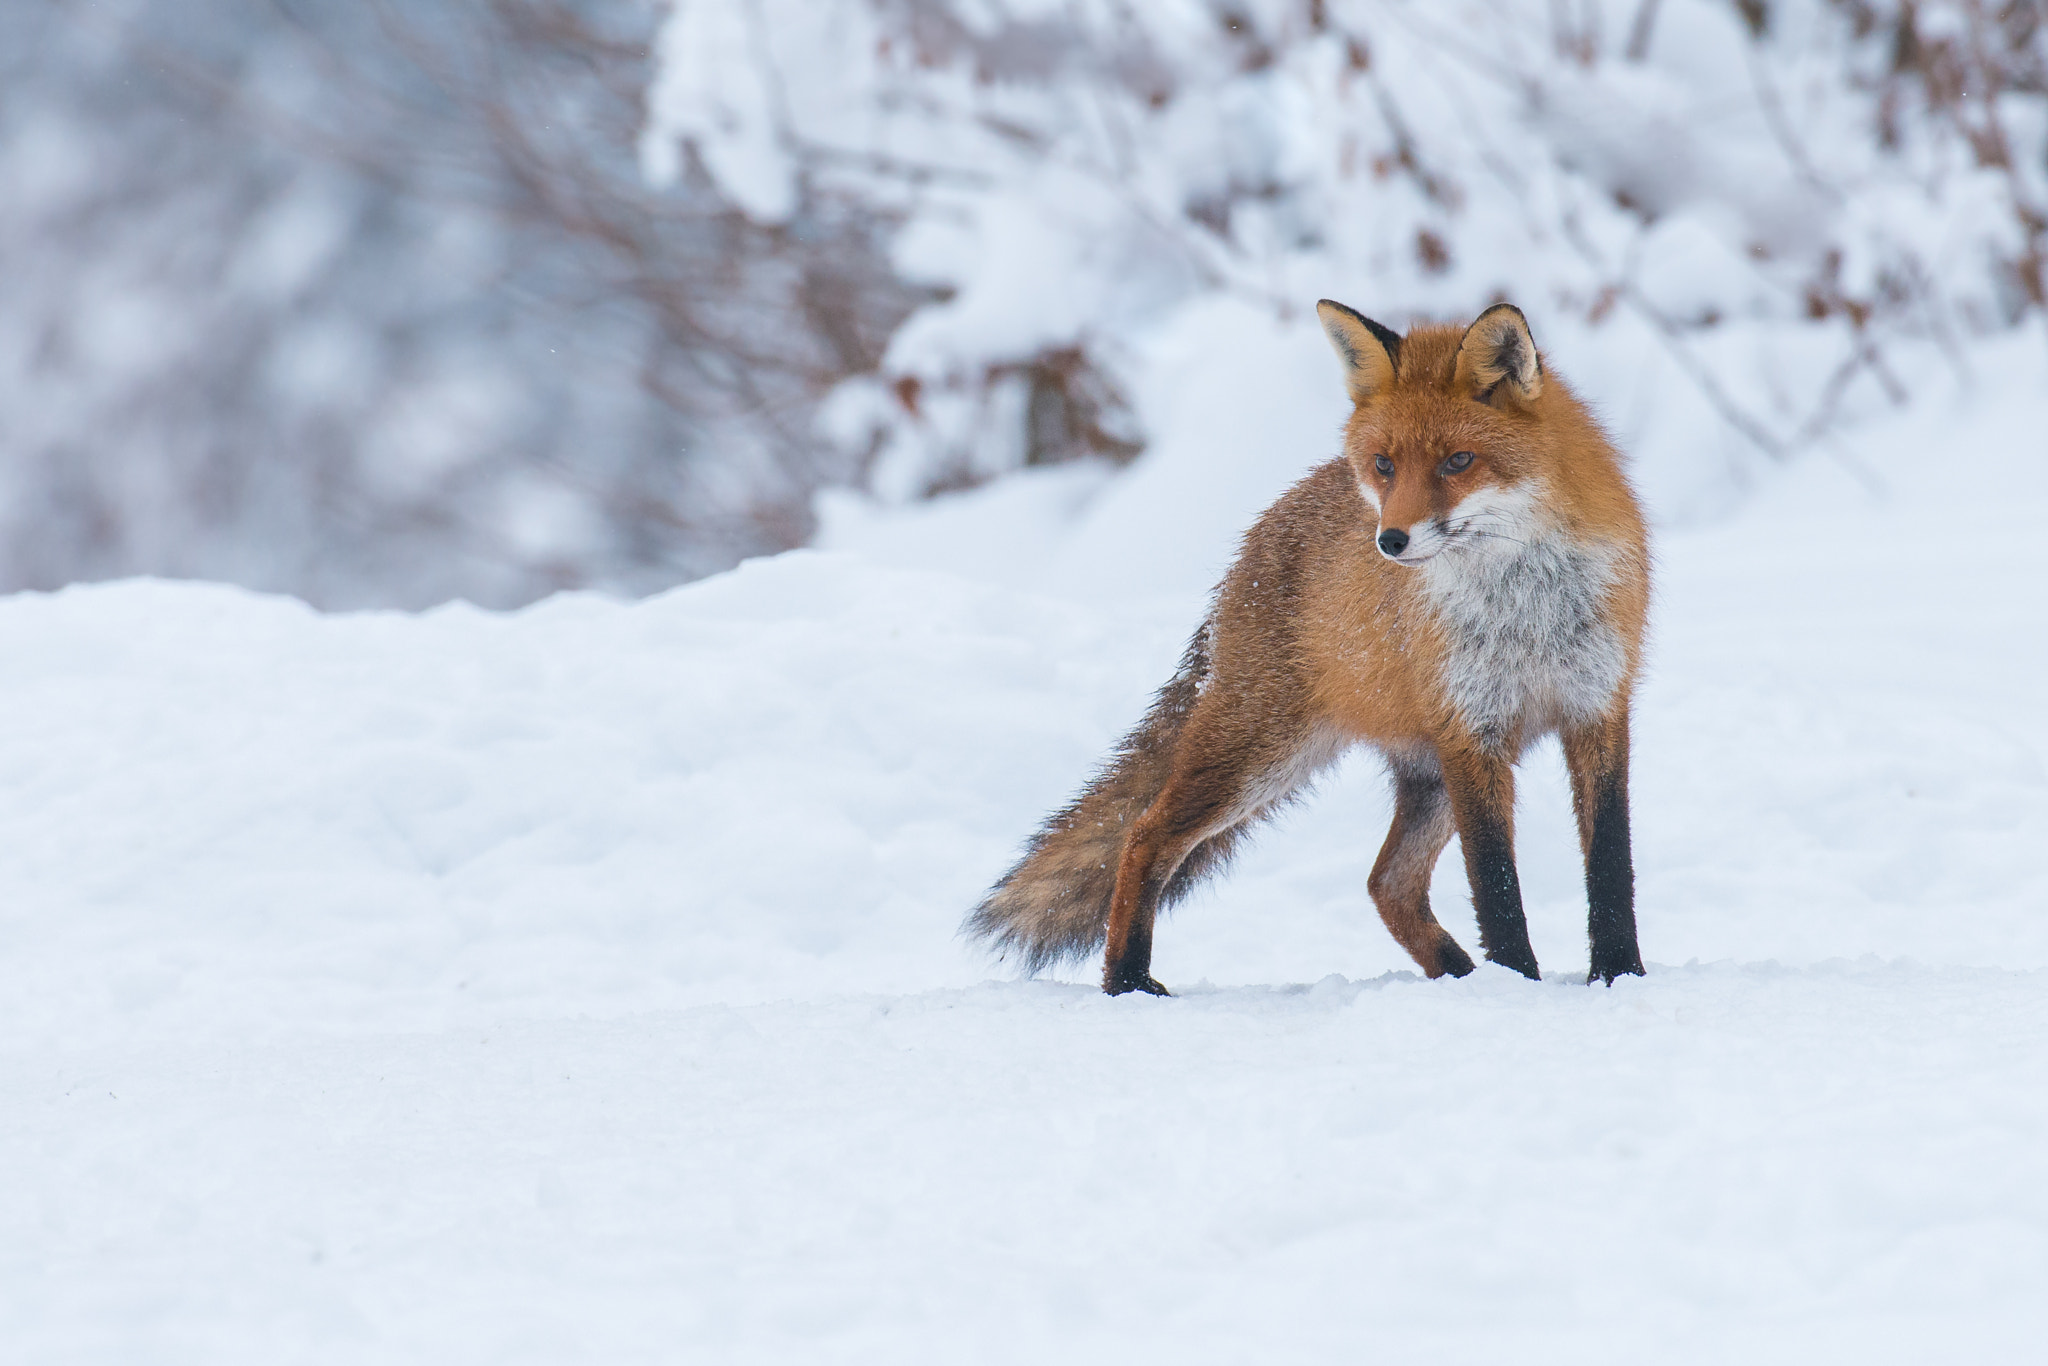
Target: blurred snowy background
581 983
383 305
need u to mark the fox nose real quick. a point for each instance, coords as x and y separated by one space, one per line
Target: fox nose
1393 542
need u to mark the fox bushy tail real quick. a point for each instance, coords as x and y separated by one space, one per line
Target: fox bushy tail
1054 905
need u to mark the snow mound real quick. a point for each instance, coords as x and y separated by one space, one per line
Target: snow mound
581 984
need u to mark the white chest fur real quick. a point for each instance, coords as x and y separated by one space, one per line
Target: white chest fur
1530 648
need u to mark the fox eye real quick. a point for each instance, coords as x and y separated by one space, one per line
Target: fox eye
1382 464
1458 461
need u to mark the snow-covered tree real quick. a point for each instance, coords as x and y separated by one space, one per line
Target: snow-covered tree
1742 210
372 304
385 304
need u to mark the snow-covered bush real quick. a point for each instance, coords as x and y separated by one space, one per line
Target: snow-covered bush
383 304
1748 221
371 304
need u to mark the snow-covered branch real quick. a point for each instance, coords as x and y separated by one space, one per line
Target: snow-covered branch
1768 195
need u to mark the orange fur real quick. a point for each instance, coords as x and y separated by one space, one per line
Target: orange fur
1471 574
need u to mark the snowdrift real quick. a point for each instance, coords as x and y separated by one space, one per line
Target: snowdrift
581 983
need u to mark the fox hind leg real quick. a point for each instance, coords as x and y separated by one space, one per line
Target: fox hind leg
1219 786
1400 876
1183 815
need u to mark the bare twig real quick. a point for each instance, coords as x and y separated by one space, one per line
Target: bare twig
1641 30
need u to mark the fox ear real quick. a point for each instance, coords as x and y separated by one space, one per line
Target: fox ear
1369 352
1498 349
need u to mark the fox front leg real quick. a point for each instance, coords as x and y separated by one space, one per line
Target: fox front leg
1597 756
1481 786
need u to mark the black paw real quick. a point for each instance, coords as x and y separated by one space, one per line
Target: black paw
1117 986
1522 960
1609 970
1452 960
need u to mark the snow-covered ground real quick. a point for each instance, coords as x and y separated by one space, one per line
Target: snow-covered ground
581 984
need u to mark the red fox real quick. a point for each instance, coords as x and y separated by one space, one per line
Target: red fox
1473 573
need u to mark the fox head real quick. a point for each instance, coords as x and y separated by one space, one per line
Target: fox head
1447 439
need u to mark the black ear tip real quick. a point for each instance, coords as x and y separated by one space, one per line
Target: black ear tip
1329 310
1511 344
1505 307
